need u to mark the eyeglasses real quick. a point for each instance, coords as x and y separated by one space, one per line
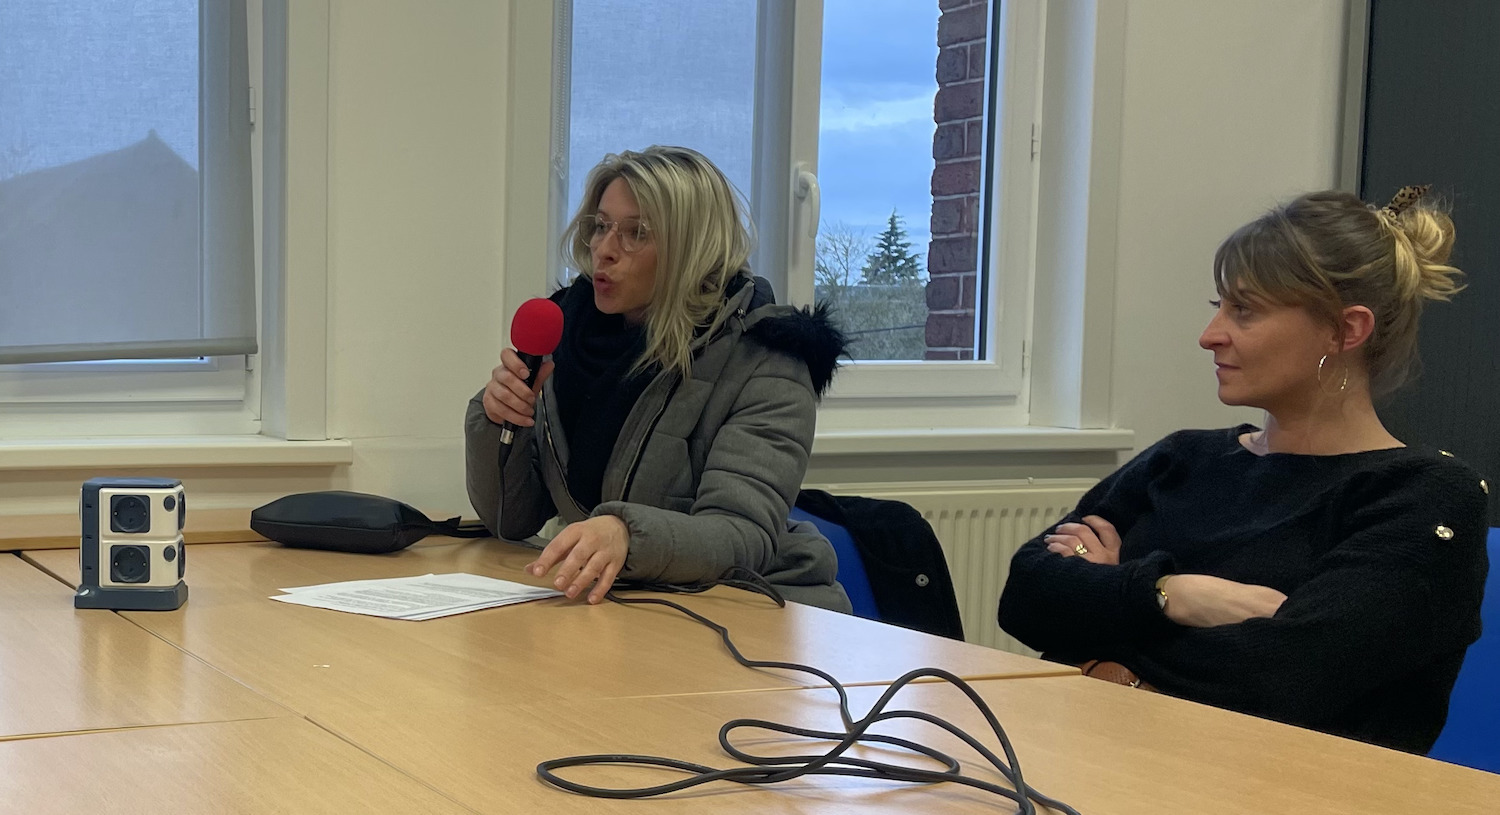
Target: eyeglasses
633 233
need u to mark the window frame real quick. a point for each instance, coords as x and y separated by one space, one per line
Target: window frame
213 396
1065 402
783 208
1013 99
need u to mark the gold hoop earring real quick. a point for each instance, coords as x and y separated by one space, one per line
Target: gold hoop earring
1343 382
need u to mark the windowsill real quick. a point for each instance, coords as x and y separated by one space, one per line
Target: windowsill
196 451
261 451
970 440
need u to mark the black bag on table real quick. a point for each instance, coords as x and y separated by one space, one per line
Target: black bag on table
343 521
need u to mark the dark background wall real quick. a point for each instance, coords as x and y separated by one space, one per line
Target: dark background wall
1432 115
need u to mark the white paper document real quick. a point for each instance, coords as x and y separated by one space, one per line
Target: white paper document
415 598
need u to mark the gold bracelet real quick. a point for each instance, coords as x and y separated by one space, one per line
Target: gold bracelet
1161 591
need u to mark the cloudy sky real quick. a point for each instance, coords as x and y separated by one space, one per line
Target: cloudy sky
875 130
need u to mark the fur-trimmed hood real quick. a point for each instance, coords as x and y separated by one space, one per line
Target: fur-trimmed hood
808 333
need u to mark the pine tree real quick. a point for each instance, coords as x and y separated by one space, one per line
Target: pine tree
892 262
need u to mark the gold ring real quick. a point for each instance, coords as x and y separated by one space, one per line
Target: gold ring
1080 550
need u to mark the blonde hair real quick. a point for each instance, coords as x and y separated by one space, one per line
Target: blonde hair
1326 251
699 224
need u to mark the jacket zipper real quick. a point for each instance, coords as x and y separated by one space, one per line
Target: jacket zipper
562 471
635 462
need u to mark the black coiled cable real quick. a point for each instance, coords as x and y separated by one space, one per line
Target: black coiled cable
834 761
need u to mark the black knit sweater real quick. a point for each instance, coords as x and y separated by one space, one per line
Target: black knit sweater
1381 555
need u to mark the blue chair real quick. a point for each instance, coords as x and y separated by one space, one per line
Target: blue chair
1472 735
851 574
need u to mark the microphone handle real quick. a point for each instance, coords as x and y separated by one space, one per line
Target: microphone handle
533 363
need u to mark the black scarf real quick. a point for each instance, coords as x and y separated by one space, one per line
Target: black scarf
594 393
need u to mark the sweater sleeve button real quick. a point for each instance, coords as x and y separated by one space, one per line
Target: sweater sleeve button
922 580
1444 532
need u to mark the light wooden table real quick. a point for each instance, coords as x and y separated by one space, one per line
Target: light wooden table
66 670
283 765
1099 747
468 705
319 661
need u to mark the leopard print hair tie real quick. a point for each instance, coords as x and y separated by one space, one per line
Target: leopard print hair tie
1404 198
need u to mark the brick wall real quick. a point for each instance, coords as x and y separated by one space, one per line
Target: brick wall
957 148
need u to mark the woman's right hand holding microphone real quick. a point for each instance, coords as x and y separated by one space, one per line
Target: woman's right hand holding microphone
506 396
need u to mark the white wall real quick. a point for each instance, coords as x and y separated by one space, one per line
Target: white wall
1229 107
417 138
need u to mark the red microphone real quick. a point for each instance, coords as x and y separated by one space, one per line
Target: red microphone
535 332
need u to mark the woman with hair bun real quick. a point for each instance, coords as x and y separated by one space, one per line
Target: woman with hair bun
1316 570
671 429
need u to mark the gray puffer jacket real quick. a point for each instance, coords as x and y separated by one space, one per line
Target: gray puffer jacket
705 469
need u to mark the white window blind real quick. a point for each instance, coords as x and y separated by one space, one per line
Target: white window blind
125 188
690 82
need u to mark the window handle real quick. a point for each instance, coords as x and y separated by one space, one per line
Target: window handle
807 190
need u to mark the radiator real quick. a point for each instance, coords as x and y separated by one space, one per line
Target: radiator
980 525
